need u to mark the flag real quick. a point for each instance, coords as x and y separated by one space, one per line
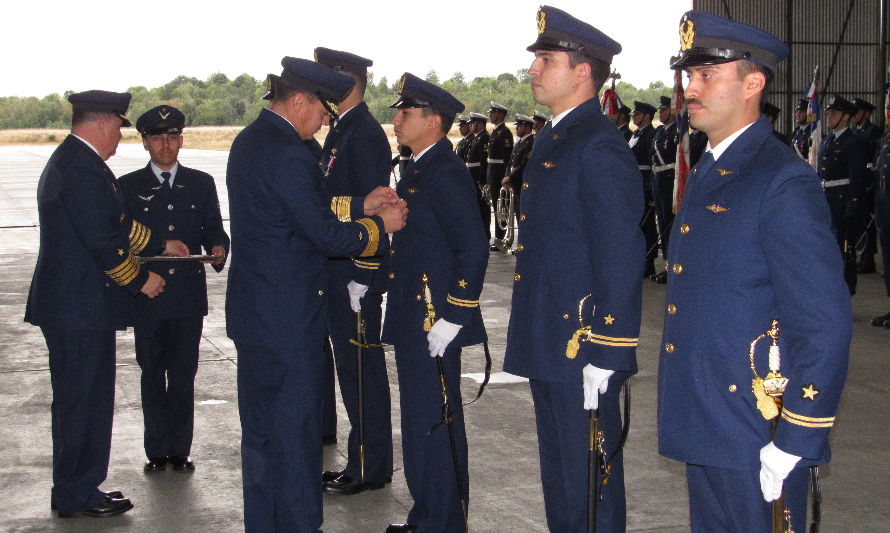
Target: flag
681 172
887 101
610 102
814 116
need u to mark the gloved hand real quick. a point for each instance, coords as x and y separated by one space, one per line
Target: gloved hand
596 382
775 465
356 291
440 335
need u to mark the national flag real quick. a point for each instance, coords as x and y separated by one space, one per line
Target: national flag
887 101
814 116
681 172
610 102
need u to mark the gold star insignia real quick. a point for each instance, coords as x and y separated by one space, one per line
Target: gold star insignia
120 252
463 283
609 319
810 392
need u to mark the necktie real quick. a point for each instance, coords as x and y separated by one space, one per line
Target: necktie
166 176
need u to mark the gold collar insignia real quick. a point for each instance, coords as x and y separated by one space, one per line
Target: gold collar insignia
717 208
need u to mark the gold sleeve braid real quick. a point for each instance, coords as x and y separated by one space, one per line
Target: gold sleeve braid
125 272
340 208
139 237
807 421
461 302
367 265
373 237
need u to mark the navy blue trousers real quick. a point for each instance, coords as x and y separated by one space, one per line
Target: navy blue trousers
167 353
663 194
429 464
723 500
882 222
82 373
562 424
279 403
375 384
329 392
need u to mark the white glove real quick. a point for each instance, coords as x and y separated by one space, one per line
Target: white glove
356 291
596 382
775 465
440 335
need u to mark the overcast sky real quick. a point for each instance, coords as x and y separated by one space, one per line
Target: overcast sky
51 46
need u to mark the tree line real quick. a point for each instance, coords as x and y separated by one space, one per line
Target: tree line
220 101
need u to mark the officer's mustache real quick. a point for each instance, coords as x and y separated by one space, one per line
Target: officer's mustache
688 101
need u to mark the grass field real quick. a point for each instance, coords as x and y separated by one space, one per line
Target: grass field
199 137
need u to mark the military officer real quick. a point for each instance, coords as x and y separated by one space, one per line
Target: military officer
622 121
664 163
355 161
477 164
282 235
522 150
800 137
540 120
772 115
463 125
843 157
500 146
882 218
437 266
82 291
579 271
751 190
182 203
641 144
872 133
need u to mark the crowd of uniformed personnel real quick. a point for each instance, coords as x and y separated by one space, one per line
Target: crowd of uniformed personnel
594 204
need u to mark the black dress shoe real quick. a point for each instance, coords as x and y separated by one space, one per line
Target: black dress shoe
347 486
397 528
155 464
330 439
116 494
108 507
880 321
182 463
330 475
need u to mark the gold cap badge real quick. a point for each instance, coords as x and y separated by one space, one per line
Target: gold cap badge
401 86
542 21
687 33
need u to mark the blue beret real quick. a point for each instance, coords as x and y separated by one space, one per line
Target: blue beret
342 61
415 92
97 101
839 103
708 39
321 80
557 30
161 119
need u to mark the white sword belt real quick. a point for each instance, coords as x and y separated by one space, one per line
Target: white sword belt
645 167
660 168
835 183
473 165
495 161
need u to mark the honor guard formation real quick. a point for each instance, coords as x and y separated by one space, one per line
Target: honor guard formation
318 237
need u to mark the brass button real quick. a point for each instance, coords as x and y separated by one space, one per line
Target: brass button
524 186
171 271
516 277
678 268
672 309
521 217
321 293
392 252
145 209
733 388
520 247
669 348
419 298
170 227
684 229
392 275
565 316
170 207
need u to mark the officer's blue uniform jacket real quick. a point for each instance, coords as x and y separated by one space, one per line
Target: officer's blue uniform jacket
86 272
751 243
189 212
443 239
500 147
356 160
579 232
283 231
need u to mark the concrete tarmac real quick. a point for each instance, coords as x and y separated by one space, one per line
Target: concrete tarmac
505 491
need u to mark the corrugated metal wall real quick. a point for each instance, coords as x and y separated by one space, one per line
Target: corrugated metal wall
850 57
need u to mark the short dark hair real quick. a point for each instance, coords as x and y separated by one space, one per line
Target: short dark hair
361 80
599 69
79 116
283 89
447 121
747 67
